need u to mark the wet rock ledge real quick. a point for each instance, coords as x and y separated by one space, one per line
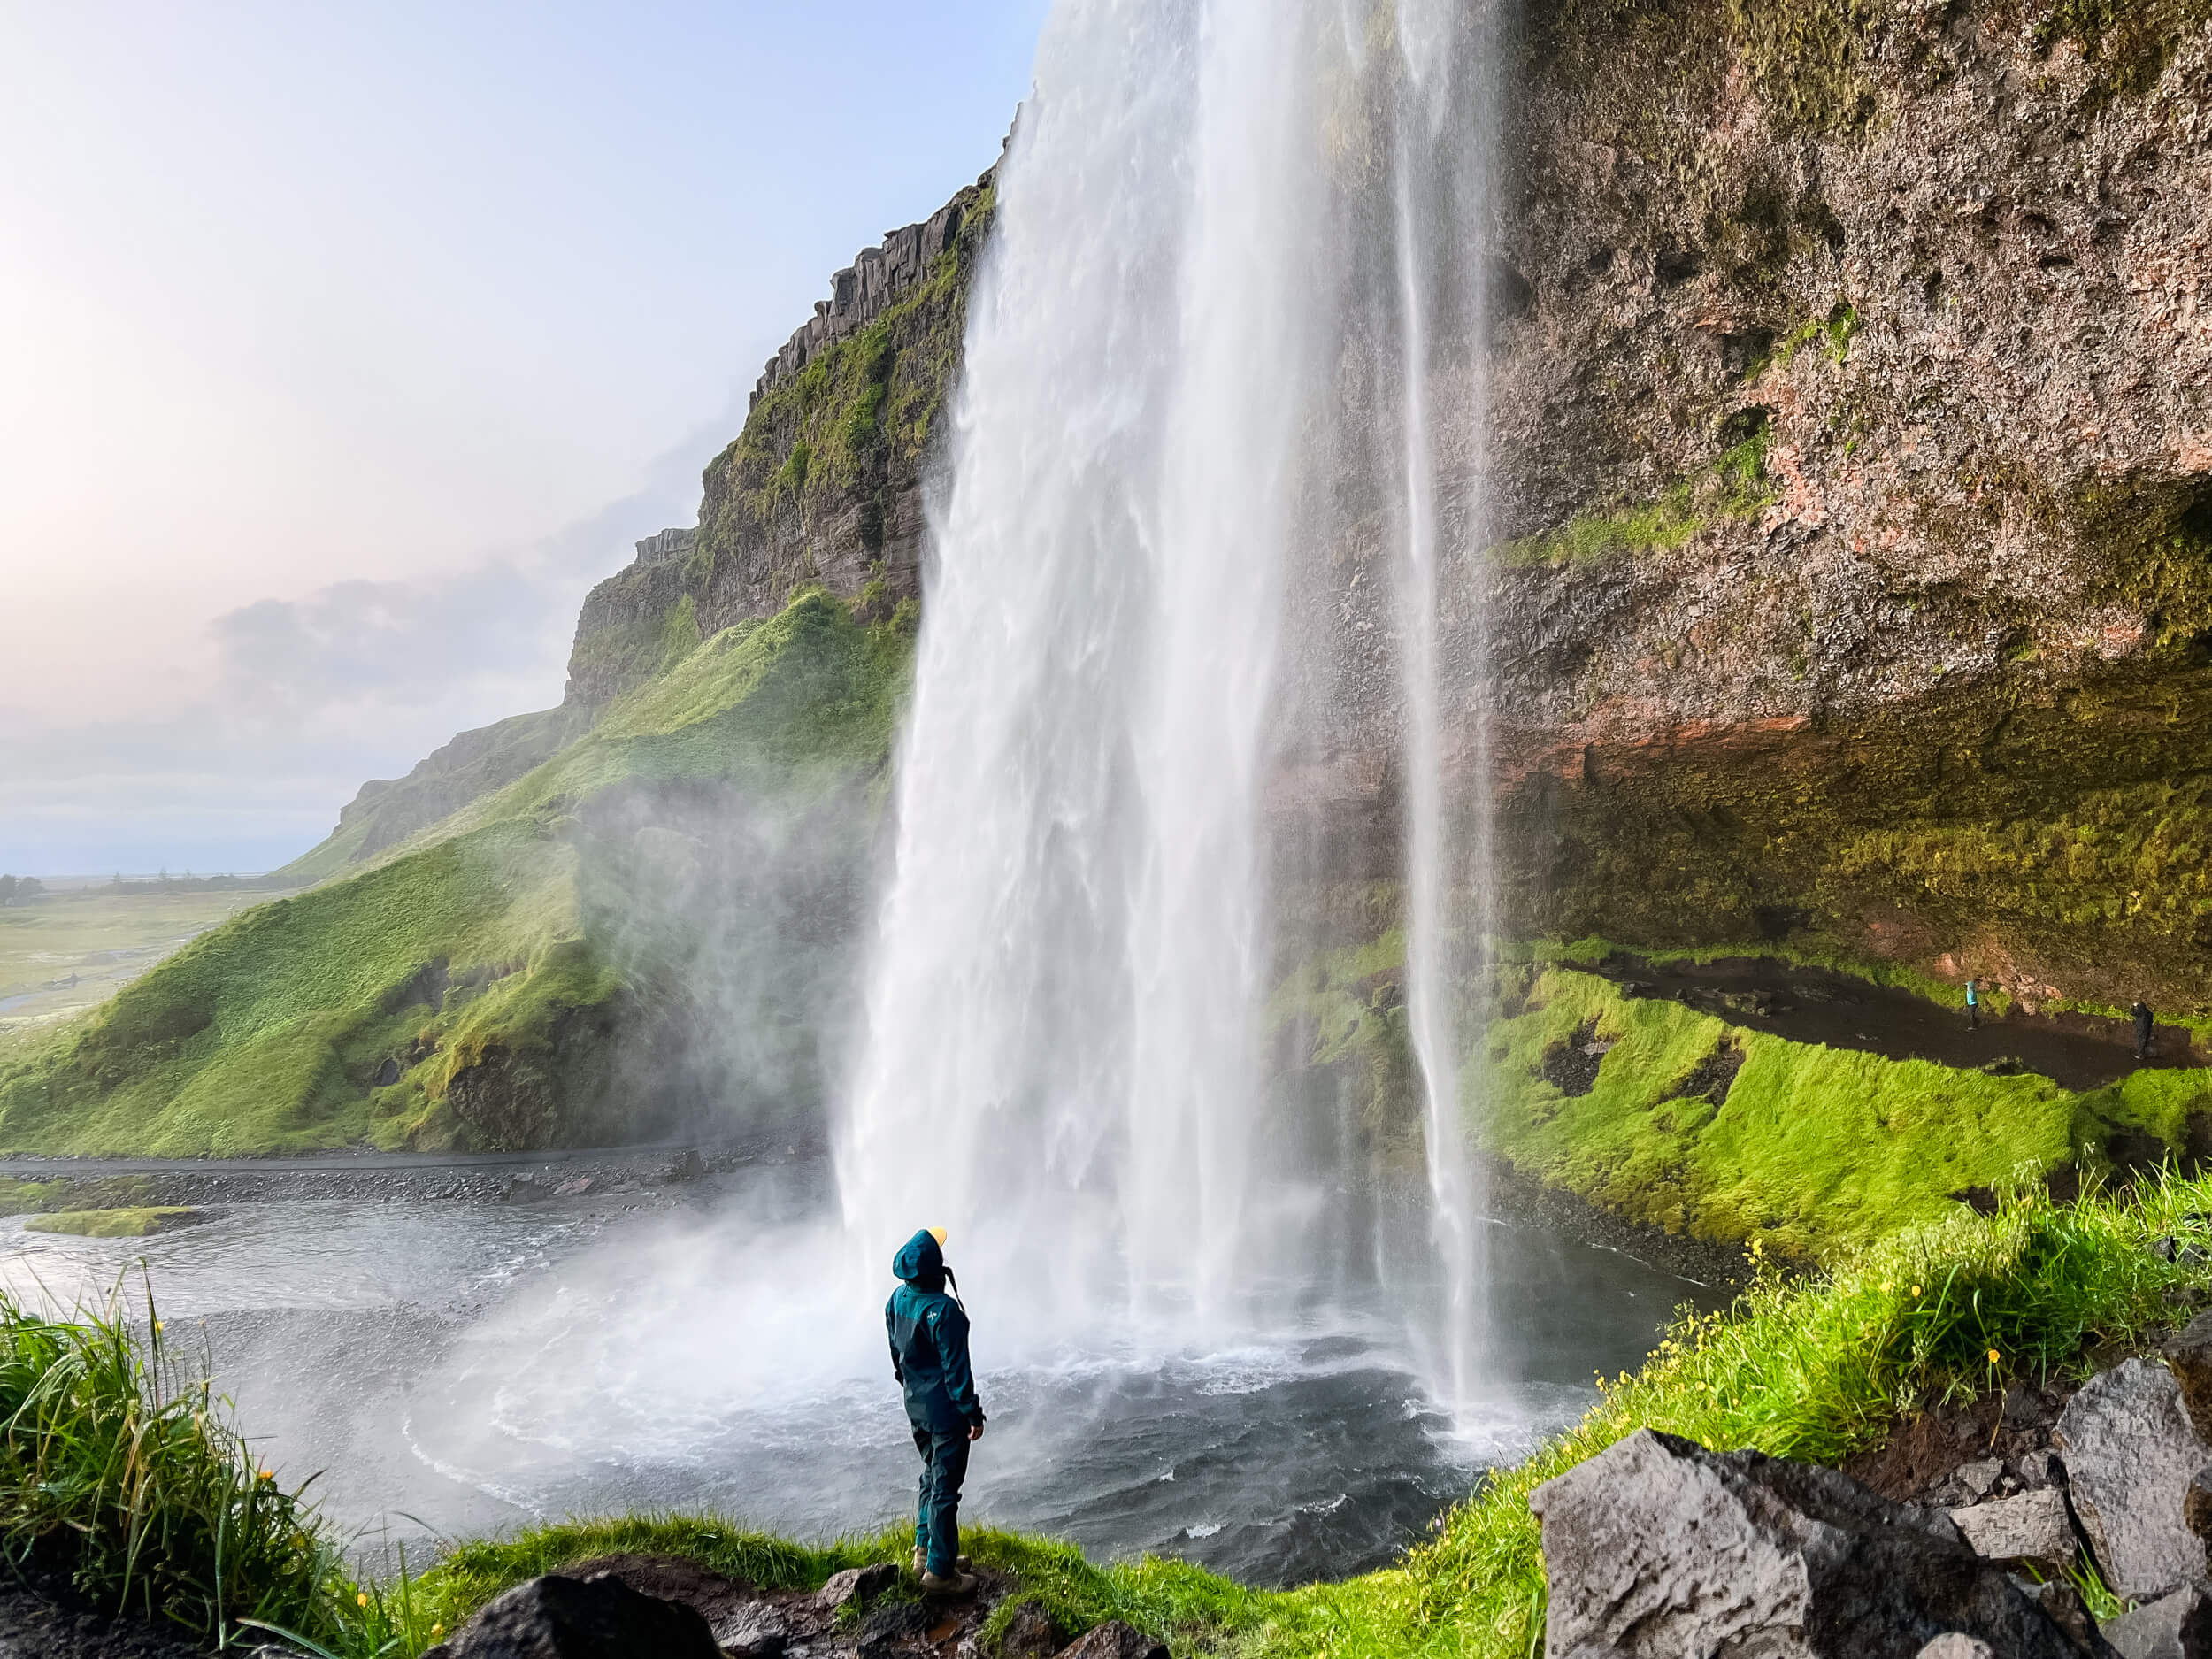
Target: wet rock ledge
1659 1548
651 1607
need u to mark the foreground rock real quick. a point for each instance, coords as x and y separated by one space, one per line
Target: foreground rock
2131 1453
2178 1625
1114 1640
42 1620
1658 1548
2031 1530
654 1606
560 1617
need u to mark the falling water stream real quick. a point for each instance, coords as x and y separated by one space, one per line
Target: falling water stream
1062 1060
1065 1022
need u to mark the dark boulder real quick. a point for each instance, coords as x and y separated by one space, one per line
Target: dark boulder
1658 1548
560 1617
758 1631
2131 1453
894 1631
1028 1634
1113 1640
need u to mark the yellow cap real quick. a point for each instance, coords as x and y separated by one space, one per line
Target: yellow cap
937 1233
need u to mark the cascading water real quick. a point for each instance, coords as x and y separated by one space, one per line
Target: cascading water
1066 1056
1446 842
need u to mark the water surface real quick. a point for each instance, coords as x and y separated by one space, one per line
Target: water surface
458 1368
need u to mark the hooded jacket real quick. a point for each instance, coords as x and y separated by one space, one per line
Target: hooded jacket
929 1342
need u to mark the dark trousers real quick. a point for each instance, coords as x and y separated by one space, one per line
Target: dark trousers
1973 1017
937 1522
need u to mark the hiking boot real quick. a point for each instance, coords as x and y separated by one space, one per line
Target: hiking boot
921 1562
959 1584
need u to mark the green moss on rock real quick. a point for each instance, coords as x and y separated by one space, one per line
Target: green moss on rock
1813 1149
1736 485
2126 43
137 1222
839 438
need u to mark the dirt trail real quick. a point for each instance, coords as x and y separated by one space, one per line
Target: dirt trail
2079 1051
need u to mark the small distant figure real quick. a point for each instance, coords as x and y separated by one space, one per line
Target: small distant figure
929 1356
1973 1005
2144 1027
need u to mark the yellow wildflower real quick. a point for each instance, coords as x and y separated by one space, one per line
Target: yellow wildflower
361 1598
1992 1356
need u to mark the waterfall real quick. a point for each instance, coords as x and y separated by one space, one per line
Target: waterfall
1430 250
1067 1044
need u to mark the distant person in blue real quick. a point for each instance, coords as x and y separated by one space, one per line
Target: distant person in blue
1973 1005
929 1356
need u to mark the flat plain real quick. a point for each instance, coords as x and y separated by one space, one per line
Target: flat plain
64 952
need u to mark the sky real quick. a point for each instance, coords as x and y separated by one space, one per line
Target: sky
342 348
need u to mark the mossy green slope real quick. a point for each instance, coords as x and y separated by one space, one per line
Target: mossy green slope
1813 1150
460 991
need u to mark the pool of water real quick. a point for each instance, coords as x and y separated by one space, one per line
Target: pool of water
454 1369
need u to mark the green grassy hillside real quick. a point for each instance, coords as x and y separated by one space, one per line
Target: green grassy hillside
1705 1128
479 985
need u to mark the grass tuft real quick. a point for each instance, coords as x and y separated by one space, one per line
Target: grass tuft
140 1491
1816 1369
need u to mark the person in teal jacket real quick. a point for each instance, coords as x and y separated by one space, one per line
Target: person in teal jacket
929 1356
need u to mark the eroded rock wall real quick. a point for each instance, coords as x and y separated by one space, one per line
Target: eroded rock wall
828 480
1848 488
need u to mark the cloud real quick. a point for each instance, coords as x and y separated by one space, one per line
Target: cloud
309 697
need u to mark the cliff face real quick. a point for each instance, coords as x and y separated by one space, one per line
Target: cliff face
826 484
1848 557
1855 478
